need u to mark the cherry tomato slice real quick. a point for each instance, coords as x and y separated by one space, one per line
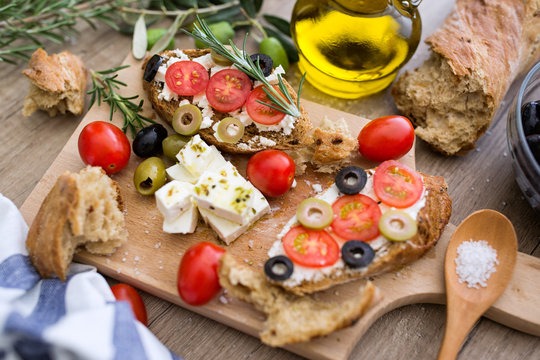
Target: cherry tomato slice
124 292
198 280
104 144
397 185
186 78
228 89
386 138
311 248
261 113
356 217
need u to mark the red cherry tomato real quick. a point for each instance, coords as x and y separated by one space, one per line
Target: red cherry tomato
186 78
312 248
198 280
261 113
124 292
386 138
271 171
397 185
228 89
356 217
104 144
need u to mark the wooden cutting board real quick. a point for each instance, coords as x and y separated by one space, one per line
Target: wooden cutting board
150 259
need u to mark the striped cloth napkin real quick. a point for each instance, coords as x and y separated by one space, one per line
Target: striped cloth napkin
49 319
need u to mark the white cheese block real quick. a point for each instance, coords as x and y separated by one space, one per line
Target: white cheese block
196 155
183 224
180 173
228 230
230 197
173 198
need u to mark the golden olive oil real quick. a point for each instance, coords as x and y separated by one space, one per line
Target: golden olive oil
351 49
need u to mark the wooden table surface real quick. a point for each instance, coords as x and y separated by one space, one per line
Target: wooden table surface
481 179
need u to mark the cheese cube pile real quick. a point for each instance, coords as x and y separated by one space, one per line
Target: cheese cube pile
203 179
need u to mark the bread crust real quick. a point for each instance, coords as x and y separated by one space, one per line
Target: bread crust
432 219
290 318
58 83
477 53
299 137
59 226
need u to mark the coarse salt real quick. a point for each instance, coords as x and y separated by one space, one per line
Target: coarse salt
475 263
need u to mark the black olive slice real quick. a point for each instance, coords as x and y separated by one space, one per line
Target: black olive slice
357 253
265 63
152 67
351 180
278 268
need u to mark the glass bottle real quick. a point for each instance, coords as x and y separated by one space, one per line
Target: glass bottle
354 48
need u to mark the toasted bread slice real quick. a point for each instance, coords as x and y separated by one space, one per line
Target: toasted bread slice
254 139
432 218
290 318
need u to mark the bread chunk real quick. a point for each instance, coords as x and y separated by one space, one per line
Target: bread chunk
290 318
482 46
83 209
58 84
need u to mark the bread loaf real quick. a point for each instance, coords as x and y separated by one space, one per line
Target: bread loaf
83 209
477 53
58 84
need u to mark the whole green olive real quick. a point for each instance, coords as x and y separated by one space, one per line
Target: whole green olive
173 144
149 176
273 48
222 30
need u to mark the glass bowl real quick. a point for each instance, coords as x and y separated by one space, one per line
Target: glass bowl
526 168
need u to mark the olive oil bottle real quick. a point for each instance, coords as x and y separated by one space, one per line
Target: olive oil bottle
351 49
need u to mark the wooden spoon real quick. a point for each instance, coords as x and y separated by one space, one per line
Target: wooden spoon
465 305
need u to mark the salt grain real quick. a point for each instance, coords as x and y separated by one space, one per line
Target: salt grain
475 263
223 299
158 245
123 259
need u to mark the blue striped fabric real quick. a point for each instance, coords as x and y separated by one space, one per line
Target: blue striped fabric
43 319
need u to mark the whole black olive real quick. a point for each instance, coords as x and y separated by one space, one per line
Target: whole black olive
148 141
357 253
152 67
529 115
265 63
351 180
278 268
534 145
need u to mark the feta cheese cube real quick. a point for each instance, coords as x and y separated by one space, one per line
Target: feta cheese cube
180 173
196 155
230 197
174 198
185 223
228 230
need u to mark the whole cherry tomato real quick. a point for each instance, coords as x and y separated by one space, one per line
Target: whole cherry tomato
386 138
124 292
104 144
198 280
271 171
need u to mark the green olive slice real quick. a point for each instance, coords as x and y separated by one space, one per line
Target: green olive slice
187 120
314 214
397 225
220 59
230 130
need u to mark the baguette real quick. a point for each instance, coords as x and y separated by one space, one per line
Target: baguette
431 219
482 46
251 142
83 209
58 83
290 318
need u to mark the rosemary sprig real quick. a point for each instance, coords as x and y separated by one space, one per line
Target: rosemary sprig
279 100
104 86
